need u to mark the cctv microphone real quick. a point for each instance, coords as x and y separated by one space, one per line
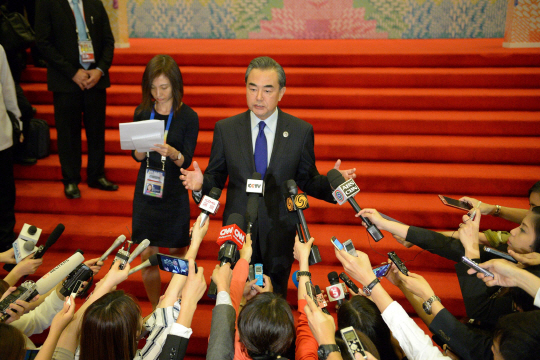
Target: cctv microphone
335 291
142 246
255 188
23 248
151 261
119 240
209 204
58 230
231 237
345 191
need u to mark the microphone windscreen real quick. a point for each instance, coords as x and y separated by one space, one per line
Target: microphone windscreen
335 178
58 230
252 208
333 277
53 277
153 260
215 193
28 245
292 187
295 279
256 176
237 219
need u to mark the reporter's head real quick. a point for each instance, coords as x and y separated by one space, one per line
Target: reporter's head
364 316
12 343
517 336
110 328
526 238
266 325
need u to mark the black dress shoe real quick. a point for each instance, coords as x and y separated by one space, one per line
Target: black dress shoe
25 160
72 191
103 184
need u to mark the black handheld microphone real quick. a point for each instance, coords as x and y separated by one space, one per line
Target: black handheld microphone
335 291
255 188
227 251
209 204
50 241
337 181
350 284
296 203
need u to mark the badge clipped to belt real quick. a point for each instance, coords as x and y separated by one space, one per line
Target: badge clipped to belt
154 180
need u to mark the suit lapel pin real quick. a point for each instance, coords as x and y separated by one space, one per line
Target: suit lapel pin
285 134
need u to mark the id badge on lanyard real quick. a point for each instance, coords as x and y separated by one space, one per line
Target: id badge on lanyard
154 180
86 50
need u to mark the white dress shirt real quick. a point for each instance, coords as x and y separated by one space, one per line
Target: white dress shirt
414 342
537 299
269 131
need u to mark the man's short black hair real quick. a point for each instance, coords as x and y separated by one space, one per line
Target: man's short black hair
518 335
267 63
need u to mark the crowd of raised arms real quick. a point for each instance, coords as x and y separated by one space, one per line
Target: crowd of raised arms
253 322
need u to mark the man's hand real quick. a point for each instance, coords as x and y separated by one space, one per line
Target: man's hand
359 268
94 265
195 285
81 78
8 256
192 180
222 277
417 285
347 174
322 326
302 250
93 77
247 250
529 259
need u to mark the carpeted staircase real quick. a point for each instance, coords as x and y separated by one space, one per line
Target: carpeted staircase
417 118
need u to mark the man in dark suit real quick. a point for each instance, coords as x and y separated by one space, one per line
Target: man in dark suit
275 144
65 29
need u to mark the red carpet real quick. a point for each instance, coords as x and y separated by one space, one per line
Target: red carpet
416 118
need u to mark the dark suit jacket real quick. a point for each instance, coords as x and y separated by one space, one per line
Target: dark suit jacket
468 343
56 38
222 332
292 157
174 348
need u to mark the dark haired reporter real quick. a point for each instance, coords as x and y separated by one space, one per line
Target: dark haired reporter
161 203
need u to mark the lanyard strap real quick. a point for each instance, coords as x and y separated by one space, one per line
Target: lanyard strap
163 158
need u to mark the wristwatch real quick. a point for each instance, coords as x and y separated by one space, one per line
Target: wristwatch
367 289
325 350
179 156
427 305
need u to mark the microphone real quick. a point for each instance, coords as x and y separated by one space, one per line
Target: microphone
231 237
151 261
345 191
209 204
23 248
255 188
119 240
48 281
142 246
296 203
335 291
58 230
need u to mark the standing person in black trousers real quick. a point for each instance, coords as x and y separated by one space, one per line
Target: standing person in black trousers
161 208
75 38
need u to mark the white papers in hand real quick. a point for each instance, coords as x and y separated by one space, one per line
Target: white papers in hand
141 135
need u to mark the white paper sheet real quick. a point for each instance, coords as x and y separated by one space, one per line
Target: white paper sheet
141 135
